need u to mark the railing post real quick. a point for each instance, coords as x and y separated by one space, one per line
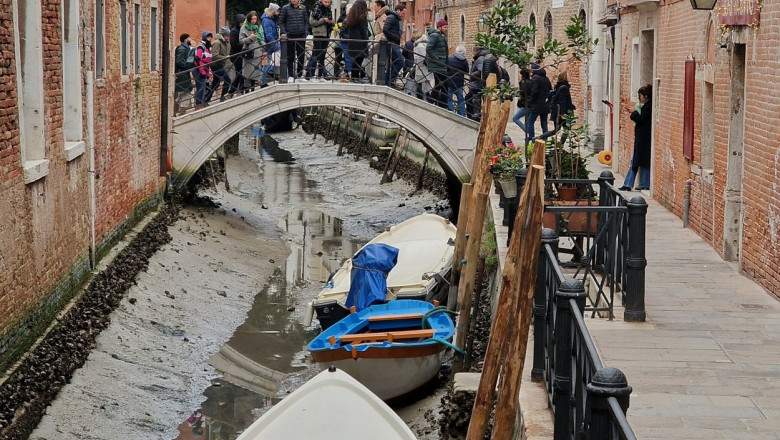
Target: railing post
283 73
549 237
562 382
382 62
636 261
606 383
606 179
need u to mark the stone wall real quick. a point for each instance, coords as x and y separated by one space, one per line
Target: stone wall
44 225
681 32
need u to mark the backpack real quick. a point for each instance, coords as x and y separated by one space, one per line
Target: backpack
191 56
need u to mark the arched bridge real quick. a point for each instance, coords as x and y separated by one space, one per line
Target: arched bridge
197 135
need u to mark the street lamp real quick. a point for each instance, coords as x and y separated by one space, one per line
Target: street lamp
705 5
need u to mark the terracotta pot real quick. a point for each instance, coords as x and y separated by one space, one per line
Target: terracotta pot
568 193
508 187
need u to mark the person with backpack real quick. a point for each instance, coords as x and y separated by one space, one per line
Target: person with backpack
560 101
476 82
222 66
184 61
252 40
392 30
321 22
538 91
293 24
437 61
522 99
273 49
203 72
457 66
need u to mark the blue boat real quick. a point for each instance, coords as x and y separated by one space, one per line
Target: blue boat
391 348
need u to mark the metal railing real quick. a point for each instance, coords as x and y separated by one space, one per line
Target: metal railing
331 60
606 238
588 400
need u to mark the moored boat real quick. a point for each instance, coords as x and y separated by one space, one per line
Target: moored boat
391 348
425 251
330 406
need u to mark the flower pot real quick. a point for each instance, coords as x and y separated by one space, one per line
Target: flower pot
508 186
568 193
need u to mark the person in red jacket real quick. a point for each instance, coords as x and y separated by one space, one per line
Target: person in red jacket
203 70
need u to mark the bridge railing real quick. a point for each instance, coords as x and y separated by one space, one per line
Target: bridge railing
329 60
588 399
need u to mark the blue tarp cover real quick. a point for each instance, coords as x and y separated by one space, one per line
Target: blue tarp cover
368 283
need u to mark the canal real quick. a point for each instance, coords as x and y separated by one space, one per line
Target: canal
213 333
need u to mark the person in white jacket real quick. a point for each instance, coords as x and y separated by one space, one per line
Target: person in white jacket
423 80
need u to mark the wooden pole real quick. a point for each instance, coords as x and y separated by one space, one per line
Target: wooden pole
422 170
391 156
460 237
519 252
399 156
529 227
467 274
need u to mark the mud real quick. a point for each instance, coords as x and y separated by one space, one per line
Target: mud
210 291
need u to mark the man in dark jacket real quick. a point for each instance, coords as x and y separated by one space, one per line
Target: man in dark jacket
474 95
538 90
321 22
184 62
392 30
522 99
436 57
235 48
457 66
293 22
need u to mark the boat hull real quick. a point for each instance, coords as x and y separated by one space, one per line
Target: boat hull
391 377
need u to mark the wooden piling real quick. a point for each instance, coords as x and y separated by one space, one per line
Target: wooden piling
391 156
460 243
518 278
422 171
469 269
399 156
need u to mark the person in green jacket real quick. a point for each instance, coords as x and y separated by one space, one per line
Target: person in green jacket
436 60
184 62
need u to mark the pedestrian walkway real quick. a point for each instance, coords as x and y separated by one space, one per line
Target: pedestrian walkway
706 363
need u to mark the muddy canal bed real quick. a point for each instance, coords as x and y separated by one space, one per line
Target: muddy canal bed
212 334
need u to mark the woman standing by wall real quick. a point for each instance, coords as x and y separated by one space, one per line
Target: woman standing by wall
643 124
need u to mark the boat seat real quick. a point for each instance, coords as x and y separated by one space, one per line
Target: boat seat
380 318
384 336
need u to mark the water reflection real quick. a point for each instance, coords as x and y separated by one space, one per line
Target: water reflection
268 348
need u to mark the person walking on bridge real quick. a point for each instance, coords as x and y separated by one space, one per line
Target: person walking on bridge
392 30
321 22
293 24
222 66
356 30
457 67
273 49
437 61
203 72
252 39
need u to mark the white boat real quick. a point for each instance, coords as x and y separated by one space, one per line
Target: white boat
331 406
426 247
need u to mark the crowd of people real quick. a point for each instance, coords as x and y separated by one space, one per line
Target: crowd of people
248 55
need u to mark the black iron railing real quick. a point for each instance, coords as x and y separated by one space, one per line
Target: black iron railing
605 236
330 60
589 401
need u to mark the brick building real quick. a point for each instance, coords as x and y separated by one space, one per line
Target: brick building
196 16
80 82
727 180
419 16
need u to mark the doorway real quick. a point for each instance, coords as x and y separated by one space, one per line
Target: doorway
647 77
733 214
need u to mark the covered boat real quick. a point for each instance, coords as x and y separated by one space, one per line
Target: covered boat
331 406
425 246
391 348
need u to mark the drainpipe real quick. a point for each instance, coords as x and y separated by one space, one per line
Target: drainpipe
166 164
91 167
686 203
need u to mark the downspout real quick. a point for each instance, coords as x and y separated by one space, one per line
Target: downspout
91 167
165 75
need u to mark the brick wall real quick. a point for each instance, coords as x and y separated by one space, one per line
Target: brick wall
680 33
44 227
196 16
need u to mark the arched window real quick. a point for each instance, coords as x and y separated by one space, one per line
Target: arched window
532 24
462 28
548 26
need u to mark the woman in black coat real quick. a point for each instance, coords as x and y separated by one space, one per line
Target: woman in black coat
561 104
356 28
643 120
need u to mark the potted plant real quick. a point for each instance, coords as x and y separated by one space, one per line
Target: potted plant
504 165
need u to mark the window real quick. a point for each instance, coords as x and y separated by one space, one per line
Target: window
635 69
137 37
71 80
462 28
100 39
548 26
707 126
123 35
153 39
28 50
532 25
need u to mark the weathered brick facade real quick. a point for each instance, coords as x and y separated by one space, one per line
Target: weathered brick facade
680 33
44 225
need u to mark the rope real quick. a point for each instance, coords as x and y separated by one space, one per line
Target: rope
425 324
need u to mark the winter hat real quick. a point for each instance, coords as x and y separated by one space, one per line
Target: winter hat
224 30
441 23
205 35
535 67
273 7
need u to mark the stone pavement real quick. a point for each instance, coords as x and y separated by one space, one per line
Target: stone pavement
706 364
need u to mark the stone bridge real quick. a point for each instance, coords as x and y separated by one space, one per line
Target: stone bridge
197 135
